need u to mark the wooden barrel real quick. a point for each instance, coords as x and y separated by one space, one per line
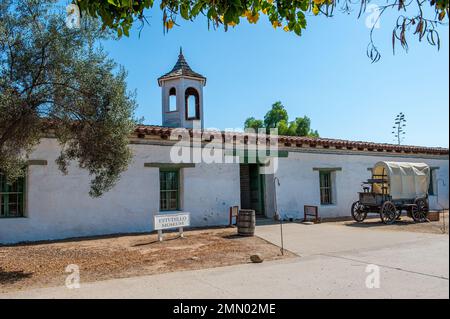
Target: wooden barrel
246 222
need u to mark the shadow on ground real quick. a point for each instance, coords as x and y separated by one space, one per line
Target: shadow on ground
438 227
233 236
145 243
379 223
10 277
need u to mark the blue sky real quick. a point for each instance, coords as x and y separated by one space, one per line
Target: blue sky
324 74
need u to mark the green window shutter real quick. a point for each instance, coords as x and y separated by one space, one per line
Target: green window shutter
326 197
169 180
12 197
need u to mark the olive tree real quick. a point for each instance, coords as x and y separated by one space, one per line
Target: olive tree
57 81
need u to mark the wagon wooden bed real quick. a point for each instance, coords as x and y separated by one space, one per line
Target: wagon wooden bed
393 188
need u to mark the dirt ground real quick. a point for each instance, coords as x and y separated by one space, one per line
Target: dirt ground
44 264
405 224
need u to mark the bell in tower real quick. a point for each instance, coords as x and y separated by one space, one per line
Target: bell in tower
182 95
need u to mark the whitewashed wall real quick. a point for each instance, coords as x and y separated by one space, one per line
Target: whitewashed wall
209 191
59 206
300 184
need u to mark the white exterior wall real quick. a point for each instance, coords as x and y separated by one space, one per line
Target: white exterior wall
300 184
59 206
209 196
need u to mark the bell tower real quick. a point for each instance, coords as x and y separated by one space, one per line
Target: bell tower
182 95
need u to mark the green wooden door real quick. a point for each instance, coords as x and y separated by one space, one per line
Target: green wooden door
256 189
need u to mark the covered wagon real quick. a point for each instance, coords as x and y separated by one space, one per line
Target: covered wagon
393 188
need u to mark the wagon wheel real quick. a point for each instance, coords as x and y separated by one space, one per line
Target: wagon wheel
419 212
388 213
358 212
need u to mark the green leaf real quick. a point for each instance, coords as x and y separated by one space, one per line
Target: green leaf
212 13
298 29
197 8
304 5
126 30
231 15
184 11
148 3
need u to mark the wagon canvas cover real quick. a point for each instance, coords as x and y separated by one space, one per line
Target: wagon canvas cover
406 180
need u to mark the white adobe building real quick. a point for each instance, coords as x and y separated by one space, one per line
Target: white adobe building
327 173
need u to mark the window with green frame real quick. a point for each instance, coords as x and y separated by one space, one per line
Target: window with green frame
12 197
326 196
431 190
169 180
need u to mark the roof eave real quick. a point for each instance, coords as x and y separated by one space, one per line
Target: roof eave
167 78
299 142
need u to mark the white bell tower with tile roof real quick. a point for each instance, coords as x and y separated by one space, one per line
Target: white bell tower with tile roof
182 95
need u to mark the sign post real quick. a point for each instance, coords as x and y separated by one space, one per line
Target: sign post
171 221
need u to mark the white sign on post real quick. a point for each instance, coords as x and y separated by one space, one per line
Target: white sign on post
170 221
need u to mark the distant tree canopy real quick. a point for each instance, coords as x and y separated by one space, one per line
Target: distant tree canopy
53 80
277 117
419 17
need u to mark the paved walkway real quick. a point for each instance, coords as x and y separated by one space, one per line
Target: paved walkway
332 264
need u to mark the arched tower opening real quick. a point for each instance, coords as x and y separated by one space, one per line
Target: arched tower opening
192 102
172 99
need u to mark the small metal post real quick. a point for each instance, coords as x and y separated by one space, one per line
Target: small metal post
181 232
277 183
442 206
282 240
160 235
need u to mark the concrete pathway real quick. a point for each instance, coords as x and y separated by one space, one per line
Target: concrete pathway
332 264
420 252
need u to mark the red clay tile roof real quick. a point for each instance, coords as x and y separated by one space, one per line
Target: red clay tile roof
298 141
181 68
